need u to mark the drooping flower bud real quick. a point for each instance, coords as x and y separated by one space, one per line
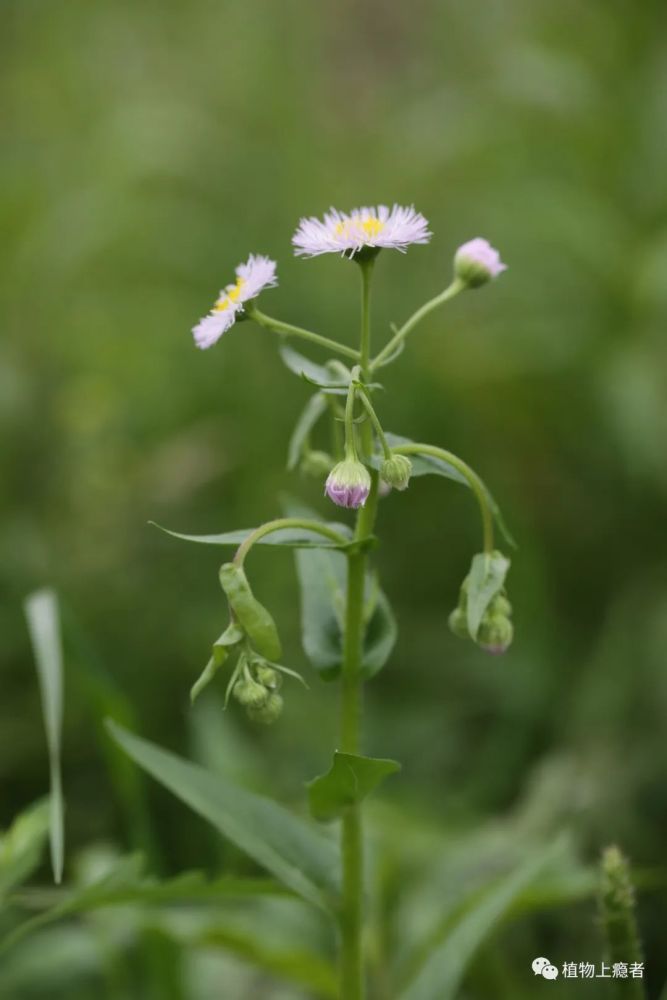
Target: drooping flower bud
395 471
269 711
458 623
315 464
251 694
348 484
495 634
268 677
477 262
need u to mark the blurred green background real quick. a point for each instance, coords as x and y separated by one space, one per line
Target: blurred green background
148 148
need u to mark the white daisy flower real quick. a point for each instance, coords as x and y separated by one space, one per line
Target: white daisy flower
344 233
256 274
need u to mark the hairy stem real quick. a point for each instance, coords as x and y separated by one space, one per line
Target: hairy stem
474 481
288 330
351 916
456 286
365 343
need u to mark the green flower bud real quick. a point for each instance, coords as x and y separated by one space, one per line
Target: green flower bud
268 712
458 623
395 471
495 633
316 464
251 694
500 605
268 677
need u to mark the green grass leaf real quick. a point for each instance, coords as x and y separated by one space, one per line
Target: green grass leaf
21 846
440 975
41 611
293 851
349 780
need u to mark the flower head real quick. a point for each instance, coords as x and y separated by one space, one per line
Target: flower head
256 274
395 471
476 262
347 234
348 484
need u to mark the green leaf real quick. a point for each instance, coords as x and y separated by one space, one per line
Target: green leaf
41 611
22 844
424 465
289 848
256 621
126 885
486 578
441 974
350 779
322 578
314 409
293 538
229 638
317 374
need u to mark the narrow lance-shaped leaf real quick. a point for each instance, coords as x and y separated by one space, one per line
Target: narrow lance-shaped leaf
318 374
256 621
293 538
312 412
41 610
22 844
441 974
350 779
486 578
296 853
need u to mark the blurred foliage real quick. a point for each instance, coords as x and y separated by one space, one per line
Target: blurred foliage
148 148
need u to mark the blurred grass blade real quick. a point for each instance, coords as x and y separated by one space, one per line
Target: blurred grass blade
440 975
21 846
126 885
295 852
41 611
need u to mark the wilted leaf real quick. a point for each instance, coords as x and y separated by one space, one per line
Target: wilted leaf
256 621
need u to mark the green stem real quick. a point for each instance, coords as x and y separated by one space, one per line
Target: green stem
286 522
474 481
351 916
365 344
350 434
365 399
288 330
456 286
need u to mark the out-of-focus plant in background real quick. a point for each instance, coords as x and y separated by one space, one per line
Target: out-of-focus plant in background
147 148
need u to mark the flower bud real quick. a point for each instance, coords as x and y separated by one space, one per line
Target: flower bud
269 711
476 262
395 471
251 694
500 605
458 623
316 464
495 633
268 677
348 484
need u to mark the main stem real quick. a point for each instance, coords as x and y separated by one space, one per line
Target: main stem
352 909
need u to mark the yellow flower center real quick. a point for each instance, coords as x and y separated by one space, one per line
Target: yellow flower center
232 295
368 228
